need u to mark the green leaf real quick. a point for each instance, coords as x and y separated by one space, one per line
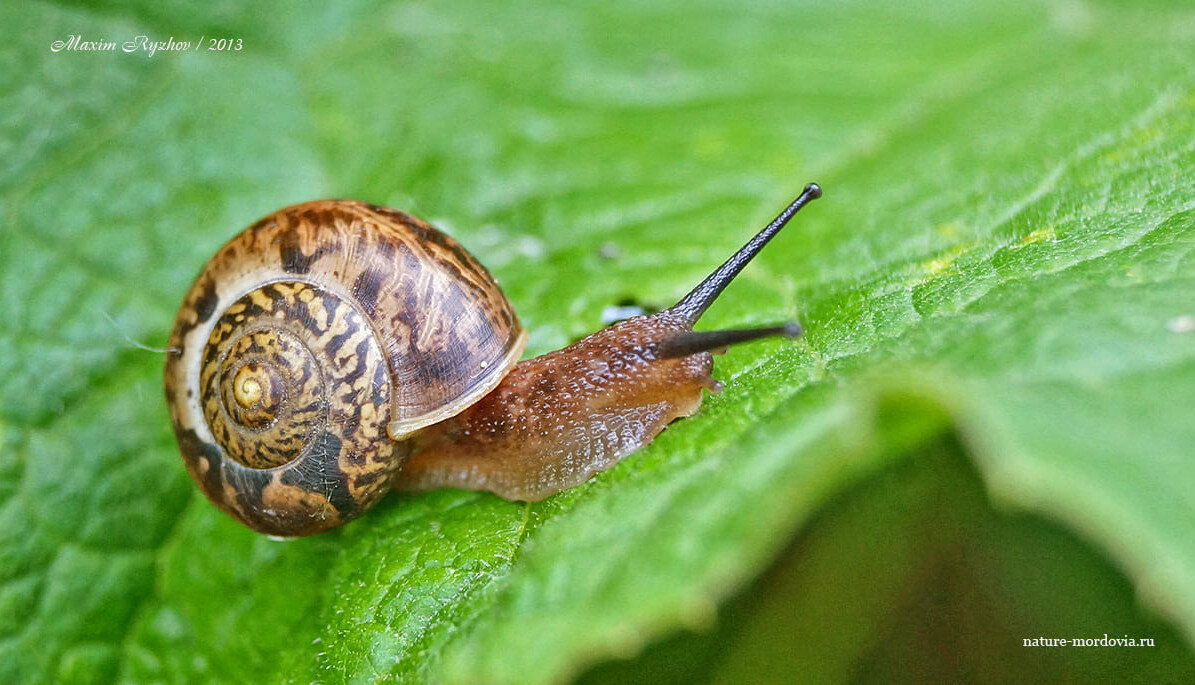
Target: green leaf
1004 254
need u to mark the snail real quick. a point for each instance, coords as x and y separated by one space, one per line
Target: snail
336 350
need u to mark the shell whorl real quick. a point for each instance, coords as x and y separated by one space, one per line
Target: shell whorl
314 338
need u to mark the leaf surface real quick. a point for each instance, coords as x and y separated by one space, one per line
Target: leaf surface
1004 253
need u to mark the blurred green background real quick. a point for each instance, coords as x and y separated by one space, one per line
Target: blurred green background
985 435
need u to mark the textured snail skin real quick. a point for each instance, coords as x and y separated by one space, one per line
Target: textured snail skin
313 337
556 420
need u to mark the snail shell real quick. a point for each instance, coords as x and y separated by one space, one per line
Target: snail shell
312 336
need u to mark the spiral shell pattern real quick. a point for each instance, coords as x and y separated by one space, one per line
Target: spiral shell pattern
312 344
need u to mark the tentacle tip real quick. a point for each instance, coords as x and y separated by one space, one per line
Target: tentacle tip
813 190
792 329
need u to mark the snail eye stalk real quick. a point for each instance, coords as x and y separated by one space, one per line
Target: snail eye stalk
693 305
692 342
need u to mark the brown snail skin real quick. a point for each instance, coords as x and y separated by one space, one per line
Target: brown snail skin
336 350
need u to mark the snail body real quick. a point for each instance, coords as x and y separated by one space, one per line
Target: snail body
336 350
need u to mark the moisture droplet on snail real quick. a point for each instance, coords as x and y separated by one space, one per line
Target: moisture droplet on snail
337 350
